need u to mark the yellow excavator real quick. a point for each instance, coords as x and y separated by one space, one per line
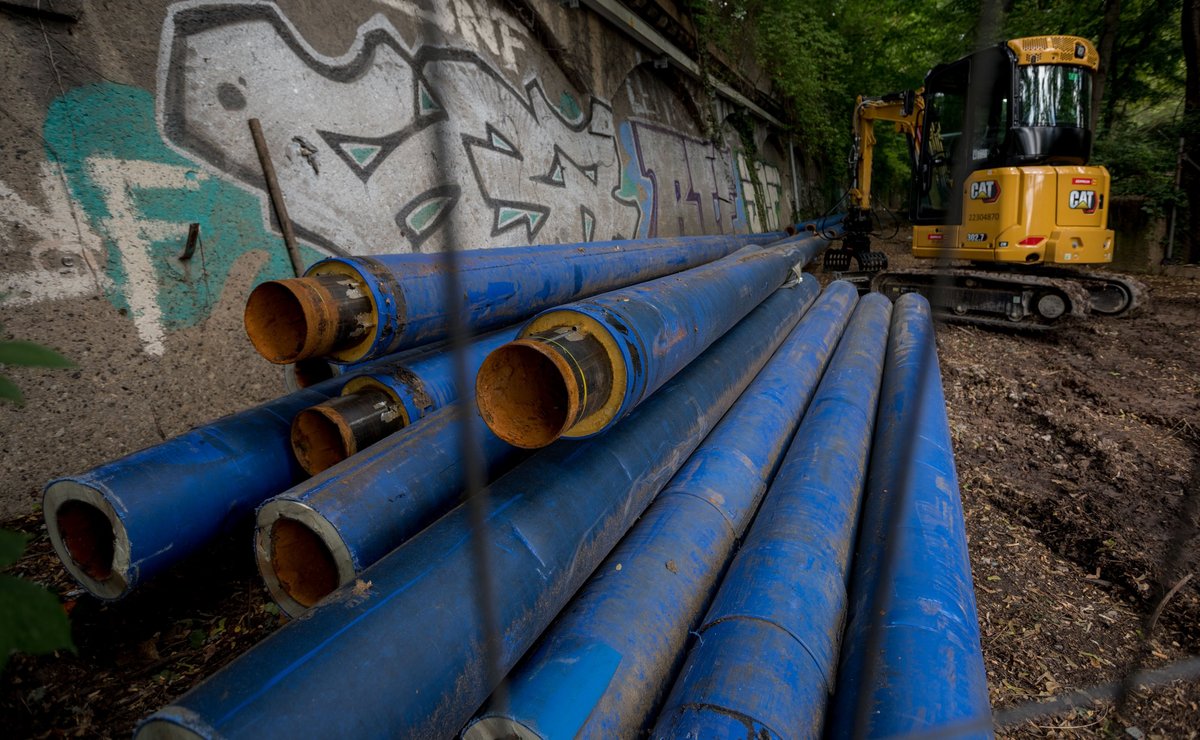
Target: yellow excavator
1002 194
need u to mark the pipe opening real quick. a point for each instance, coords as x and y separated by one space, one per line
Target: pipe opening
523 396
302 562
276 322
320 439
88 536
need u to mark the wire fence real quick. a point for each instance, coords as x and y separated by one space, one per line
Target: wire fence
1133 674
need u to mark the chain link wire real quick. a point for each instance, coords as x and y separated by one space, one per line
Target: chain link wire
1133 676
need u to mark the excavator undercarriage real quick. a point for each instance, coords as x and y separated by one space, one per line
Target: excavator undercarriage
1047 299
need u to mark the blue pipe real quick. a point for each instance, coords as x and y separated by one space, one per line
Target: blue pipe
325 531
402 651
606 663
356 308
927 674
576 370
128 520
124 522
764 658
381 400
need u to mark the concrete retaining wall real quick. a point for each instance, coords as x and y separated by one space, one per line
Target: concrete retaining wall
392 125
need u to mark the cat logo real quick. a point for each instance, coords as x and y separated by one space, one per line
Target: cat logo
1084 200
986 190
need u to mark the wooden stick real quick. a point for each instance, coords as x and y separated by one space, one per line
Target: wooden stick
1158 610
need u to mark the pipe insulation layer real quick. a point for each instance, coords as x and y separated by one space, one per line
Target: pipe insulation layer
764 658
325 531
592 675
382 400
357 308
403 653
122 523
578 369
927 675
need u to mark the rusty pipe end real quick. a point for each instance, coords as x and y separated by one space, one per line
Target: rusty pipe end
300 555
321 438
291 320
324 315
325 434
88 537
565 377
527 393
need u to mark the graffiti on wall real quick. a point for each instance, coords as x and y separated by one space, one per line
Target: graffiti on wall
687 183
63 254
139 197
405 139
390 146
769 191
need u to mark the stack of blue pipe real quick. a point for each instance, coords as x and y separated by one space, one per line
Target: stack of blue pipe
165 503
624 602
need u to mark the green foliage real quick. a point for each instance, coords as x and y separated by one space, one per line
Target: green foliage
31 618
1141 157
820 57
26 354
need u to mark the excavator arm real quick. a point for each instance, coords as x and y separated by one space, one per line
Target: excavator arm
906 110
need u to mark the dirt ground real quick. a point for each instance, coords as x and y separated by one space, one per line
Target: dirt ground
1078 455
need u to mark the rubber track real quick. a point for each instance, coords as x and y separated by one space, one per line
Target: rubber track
1074 292
1137 291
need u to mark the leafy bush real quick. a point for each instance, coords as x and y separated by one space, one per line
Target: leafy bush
31 618
26 354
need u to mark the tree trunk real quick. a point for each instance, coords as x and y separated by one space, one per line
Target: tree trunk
991 22
1191 126
1108 44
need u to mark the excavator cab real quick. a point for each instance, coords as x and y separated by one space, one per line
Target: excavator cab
1002 172
990 111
